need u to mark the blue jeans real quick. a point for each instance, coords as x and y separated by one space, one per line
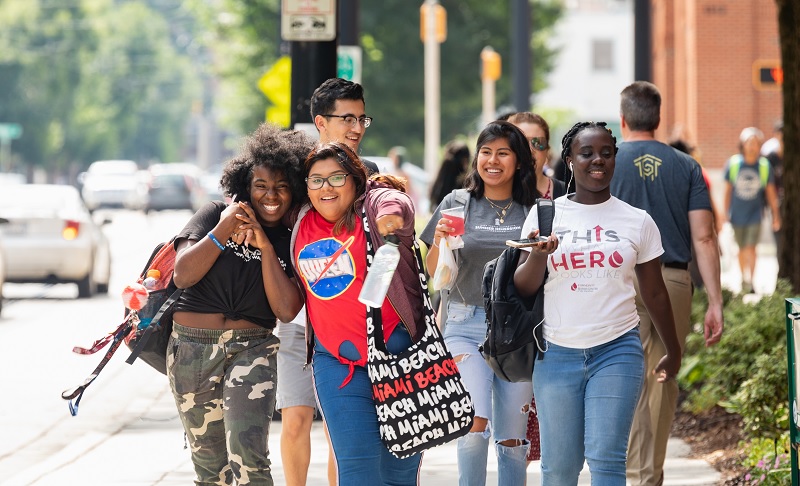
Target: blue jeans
504 404
349 412
585 399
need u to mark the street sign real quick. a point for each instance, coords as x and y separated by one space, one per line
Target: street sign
10 131
308 20
276 84
348 63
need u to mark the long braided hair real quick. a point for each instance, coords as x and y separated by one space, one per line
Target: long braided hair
569 137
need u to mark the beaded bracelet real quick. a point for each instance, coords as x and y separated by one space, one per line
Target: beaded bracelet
216 241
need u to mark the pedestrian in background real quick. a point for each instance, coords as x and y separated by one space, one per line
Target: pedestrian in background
329 247
233 263
749 189
500 190
537 131
589 381
451 172
669 185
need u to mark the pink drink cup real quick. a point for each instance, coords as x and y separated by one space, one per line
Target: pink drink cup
456 217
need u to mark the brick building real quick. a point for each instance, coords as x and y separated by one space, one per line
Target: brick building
706 60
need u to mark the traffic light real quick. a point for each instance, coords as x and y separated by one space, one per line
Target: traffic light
767 75
491 64
440 21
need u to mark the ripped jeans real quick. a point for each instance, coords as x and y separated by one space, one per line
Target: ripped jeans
504 404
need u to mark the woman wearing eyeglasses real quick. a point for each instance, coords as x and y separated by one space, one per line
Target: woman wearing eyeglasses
537 131
329 250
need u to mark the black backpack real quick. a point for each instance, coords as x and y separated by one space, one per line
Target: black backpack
513 323
146 331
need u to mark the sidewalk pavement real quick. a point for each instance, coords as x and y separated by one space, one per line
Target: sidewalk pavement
150 451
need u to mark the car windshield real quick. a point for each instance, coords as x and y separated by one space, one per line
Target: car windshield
27 198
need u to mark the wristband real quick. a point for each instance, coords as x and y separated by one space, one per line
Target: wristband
216 241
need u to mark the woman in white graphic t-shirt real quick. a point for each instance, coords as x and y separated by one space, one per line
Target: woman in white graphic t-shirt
588 383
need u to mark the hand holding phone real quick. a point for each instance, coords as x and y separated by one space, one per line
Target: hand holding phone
526 242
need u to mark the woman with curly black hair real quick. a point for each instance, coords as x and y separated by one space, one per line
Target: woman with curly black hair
233 264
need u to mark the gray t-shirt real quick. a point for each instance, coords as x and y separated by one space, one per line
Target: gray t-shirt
484 239
667 184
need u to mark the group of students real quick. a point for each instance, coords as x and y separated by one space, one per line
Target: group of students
294 244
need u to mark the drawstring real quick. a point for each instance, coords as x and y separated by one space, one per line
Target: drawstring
351 367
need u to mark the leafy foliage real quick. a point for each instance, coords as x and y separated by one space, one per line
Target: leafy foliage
746 372
92 79
768 461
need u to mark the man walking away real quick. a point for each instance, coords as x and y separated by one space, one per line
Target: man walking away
669 185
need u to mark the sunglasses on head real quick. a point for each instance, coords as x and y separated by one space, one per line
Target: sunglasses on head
539 144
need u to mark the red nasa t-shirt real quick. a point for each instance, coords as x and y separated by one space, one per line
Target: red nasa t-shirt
332 269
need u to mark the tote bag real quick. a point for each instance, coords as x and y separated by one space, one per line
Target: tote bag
419 396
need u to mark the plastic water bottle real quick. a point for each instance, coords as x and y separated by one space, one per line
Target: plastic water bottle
380 273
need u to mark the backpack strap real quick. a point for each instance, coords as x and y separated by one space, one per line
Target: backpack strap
545 209
736 162
77 392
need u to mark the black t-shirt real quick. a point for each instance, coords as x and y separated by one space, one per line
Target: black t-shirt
233 286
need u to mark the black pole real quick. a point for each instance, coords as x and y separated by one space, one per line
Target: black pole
521 70
312 63
348 22
642 41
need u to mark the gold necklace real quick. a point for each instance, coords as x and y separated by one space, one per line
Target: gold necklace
501 215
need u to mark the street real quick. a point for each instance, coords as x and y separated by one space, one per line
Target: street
127 430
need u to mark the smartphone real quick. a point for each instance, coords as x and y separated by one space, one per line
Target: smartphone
525 242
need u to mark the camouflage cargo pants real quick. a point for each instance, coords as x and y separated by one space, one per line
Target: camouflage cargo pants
224 386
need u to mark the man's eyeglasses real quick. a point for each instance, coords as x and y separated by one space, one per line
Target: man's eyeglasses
351 120
336 180
539 144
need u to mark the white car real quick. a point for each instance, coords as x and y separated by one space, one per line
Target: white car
50 237
2 264
112 184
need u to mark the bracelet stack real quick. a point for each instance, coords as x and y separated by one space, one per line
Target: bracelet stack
216 241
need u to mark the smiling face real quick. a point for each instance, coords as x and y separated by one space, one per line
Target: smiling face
332 203
593 158
335 129
270 195
496 164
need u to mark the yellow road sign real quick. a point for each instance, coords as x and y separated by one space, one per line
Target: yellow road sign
276 84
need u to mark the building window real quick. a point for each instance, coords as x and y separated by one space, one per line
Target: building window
602 55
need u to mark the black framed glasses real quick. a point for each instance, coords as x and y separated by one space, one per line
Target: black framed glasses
351 120
335 180
540 144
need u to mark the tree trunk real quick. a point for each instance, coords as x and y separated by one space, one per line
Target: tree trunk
789 258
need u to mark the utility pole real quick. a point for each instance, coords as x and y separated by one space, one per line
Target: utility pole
433 30
521 70
642 43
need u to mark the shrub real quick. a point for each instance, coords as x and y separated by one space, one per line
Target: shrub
768 462
754 338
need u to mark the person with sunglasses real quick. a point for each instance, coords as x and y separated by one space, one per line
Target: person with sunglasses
537 131
329 251
338 112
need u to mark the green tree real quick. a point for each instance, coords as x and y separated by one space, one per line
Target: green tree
789 259
92 79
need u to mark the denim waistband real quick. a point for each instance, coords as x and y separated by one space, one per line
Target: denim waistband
212 336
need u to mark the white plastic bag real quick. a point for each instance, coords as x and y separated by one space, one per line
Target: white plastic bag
446 270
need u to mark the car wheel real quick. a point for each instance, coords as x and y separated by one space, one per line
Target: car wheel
86 286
